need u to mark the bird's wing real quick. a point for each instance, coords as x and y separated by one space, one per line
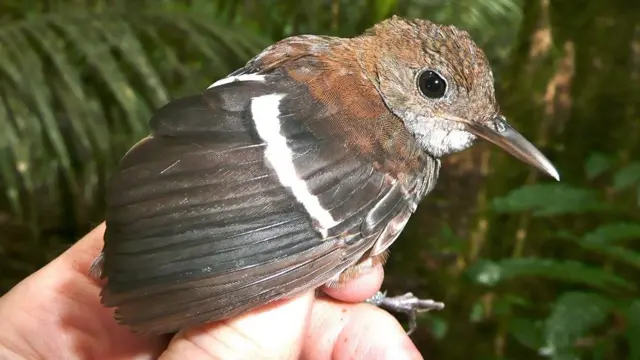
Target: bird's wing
233 202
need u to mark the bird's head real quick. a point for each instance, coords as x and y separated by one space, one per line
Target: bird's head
439 82
433 78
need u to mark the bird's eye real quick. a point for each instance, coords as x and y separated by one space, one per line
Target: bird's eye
431 84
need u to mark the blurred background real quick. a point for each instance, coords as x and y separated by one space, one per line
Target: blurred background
529 268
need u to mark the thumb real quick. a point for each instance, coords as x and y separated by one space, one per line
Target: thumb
275 331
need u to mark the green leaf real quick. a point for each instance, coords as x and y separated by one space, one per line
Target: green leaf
604 238
633 330
574 315
596 165
613 233
503 305
448 240
492 273
550 200
527 332
439 327
78 85
618 253
627 176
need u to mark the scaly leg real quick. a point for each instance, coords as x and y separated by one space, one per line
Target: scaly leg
407 304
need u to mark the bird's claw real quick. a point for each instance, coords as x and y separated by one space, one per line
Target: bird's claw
407 304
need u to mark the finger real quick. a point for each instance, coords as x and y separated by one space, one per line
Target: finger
79 256
275 331
62 299
360 288
355 331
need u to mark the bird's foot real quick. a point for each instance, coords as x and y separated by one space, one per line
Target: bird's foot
407 304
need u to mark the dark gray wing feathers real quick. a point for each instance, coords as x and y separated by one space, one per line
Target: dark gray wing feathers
199 228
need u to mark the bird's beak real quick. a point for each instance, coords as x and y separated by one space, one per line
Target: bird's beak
502 134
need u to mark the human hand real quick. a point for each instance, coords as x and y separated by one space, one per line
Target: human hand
56 314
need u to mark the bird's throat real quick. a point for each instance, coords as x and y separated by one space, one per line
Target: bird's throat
439 137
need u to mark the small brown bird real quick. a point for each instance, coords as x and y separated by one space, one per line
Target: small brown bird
298 170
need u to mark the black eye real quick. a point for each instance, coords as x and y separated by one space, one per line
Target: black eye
431 84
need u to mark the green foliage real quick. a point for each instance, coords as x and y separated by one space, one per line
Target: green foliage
527 332
573 316
627 176
585 321
611 233
438 326
633 330
491 273
596 165
551 200
79 85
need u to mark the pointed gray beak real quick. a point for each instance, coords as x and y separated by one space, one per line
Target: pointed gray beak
506 137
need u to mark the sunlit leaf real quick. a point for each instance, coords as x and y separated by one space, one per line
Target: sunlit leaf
492 273
574 314
550 200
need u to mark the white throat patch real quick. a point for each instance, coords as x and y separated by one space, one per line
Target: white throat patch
439 136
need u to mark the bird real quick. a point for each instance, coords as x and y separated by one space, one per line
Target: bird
294 172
